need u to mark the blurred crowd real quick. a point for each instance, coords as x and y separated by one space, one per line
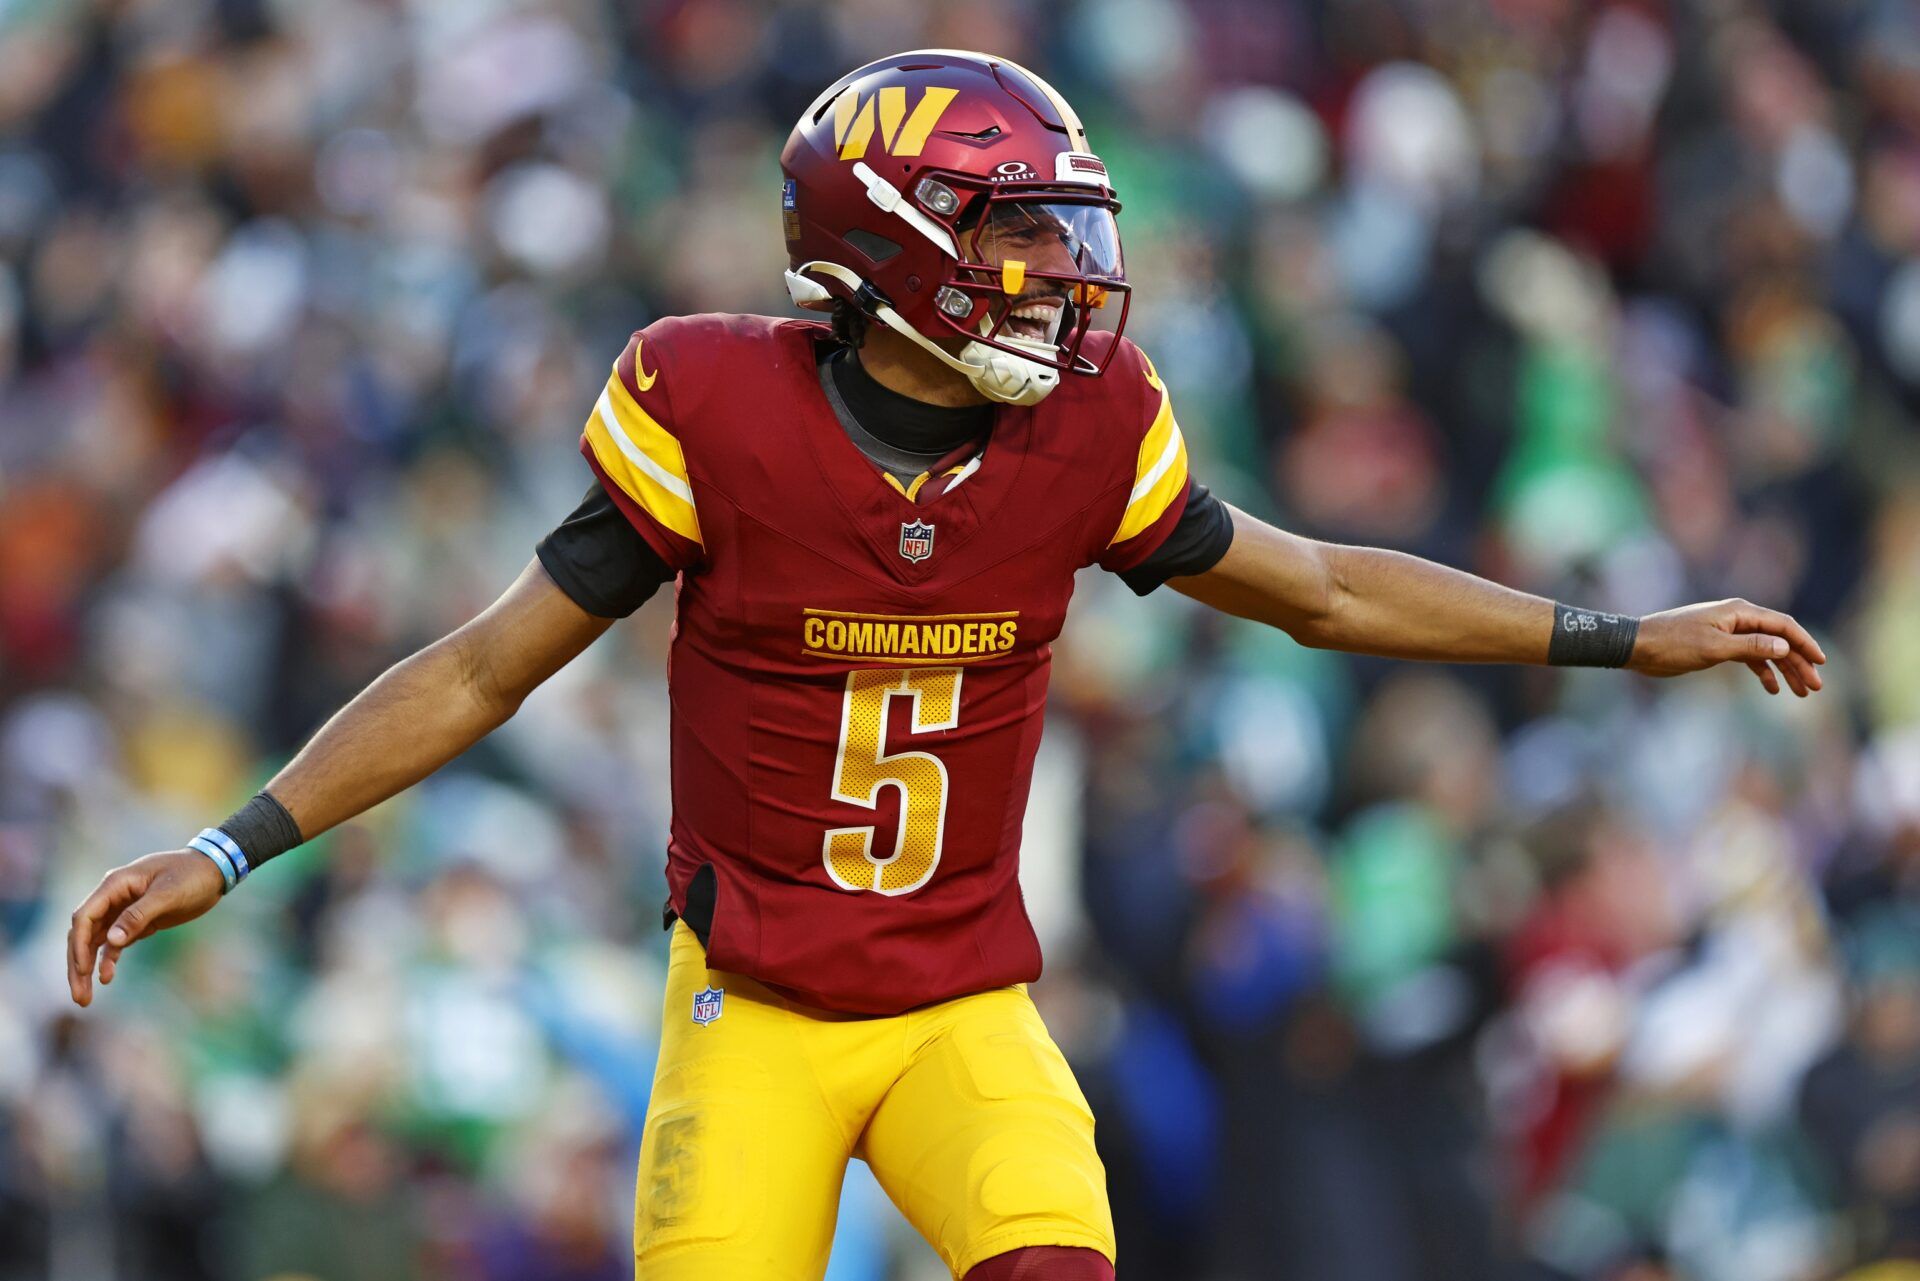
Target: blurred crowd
1372 972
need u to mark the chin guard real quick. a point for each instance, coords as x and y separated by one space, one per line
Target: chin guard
1005 377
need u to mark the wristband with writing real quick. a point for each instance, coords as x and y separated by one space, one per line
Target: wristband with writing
1588 638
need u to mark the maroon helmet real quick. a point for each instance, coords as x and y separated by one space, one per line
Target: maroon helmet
950 194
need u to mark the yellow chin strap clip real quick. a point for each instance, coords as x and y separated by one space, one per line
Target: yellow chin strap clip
1013 277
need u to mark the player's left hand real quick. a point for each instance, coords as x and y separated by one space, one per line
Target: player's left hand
1695 637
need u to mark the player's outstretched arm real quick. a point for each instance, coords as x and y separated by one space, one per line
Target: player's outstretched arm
421 713
1368 601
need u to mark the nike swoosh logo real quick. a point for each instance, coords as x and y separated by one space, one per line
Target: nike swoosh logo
641 378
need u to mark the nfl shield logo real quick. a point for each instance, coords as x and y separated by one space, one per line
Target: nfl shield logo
916 539
706 1004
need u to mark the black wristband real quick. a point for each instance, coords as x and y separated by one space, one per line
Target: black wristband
262 829
1587 638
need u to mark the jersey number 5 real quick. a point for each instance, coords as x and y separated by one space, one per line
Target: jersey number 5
862 767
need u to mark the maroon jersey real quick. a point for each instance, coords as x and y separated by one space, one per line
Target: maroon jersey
859 668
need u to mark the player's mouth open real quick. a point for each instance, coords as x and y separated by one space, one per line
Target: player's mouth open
1036 318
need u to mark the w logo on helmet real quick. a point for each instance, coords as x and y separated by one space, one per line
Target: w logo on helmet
900 134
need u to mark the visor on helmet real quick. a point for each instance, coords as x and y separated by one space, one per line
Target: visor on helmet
1070 239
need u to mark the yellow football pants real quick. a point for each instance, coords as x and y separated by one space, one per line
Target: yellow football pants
966 1111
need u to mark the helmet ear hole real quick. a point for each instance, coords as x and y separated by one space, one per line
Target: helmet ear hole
875 246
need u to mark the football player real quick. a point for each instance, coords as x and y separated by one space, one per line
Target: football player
874 523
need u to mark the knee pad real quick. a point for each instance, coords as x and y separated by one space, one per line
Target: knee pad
1044 1263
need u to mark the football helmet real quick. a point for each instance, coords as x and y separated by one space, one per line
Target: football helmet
950 194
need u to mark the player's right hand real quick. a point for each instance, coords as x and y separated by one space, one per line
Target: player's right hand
144 897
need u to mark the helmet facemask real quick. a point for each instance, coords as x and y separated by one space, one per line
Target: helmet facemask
1033 268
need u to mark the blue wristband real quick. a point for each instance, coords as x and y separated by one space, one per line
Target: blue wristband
227 876
225 853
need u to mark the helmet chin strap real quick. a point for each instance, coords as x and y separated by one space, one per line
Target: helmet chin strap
996 374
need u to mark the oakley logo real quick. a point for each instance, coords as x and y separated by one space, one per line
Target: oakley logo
855 120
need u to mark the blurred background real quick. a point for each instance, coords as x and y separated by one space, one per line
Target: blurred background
1372 972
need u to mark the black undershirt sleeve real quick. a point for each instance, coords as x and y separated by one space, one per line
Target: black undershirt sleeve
1193 546
600 560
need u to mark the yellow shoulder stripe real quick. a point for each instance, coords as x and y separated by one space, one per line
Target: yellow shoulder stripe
643 458
1160 472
